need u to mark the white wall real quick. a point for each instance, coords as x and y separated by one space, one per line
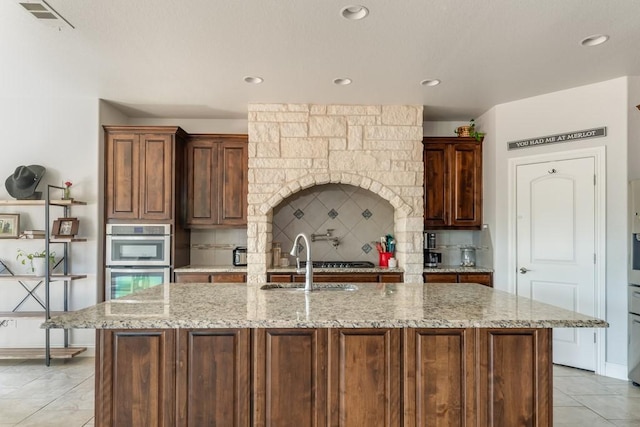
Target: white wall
196 125
601 104
60 134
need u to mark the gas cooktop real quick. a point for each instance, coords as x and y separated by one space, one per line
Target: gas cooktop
339 264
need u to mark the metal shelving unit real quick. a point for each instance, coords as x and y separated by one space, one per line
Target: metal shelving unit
66 277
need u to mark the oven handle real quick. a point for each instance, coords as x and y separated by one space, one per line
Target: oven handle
145 237
137 270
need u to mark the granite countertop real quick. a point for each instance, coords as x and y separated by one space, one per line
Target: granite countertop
383 305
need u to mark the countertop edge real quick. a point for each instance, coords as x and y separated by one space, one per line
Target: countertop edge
244 324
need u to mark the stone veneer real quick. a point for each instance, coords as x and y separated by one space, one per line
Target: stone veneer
296 146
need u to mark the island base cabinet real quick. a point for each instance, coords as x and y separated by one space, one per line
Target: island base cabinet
135 378
515 377
439 377
364 377
213 381
290 377
324 377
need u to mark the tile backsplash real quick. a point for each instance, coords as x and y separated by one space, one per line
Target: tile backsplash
357 217
449 242
215 247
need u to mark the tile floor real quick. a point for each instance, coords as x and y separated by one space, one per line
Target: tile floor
62 395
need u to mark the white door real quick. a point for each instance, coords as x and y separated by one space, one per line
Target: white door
555 208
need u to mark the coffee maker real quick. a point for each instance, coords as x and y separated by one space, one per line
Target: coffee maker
431 258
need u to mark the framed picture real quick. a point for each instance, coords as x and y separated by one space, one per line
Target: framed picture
65 227
9 226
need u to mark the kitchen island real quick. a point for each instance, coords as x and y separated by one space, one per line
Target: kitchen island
382 354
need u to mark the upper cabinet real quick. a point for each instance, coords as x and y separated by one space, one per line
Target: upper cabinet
141 168
452 183
217 185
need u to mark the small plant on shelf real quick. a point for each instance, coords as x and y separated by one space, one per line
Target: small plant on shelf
39 257
470 131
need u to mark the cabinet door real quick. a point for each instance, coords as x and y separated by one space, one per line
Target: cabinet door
440 278
453 183
192 278
228 278
233 194
135 377
439 373
156 171
436 189
213 380
217 183
290 377
340 277
466 185
364 377
391 278
514 377
279 278
122 176
202 182
482 278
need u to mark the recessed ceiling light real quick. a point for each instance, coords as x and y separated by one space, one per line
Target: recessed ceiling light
594 40
253 79
342 81
354 13
430 82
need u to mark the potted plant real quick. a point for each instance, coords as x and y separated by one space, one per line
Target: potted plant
470 131
37 260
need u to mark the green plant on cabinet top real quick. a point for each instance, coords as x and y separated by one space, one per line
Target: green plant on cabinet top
470 130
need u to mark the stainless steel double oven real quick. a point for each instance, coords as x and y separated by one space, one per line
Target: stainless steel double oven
138 256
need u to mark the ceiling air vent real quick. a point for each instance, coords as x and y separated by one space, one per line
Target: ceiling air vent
46 14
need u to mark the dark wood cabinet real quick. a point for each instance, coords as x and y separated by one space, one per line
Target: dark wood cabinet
482 278
217 184
439 377
319 377
364 377
290 377
210 278
515 377
141 168
337 277
213 377
452 183
135 378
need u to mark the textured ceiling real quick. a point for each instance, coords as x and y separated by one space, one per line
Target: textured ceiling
187 59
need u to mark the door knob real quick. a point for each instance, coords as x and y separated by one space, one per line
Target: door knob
523 270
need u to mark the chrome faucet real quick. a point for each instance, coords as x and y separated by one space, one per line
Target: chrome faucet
308 282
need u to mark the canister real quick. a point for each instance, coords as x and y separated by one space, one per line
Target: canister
468 256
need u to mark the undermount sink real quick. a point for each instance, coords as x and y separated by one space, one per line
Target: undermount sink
298 287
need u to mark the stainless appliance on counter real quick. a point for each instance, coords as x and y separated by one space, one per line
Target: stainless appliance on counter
634 333
431 258
240 256
138 256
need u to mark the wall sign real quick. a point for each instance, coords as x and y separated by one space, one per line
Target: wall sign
561 137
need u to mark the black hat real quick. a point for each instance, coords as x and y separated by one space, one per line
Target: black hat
22 184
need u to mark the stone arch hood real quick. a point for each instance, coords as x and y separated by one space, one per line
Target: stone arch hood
292 187
296 146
